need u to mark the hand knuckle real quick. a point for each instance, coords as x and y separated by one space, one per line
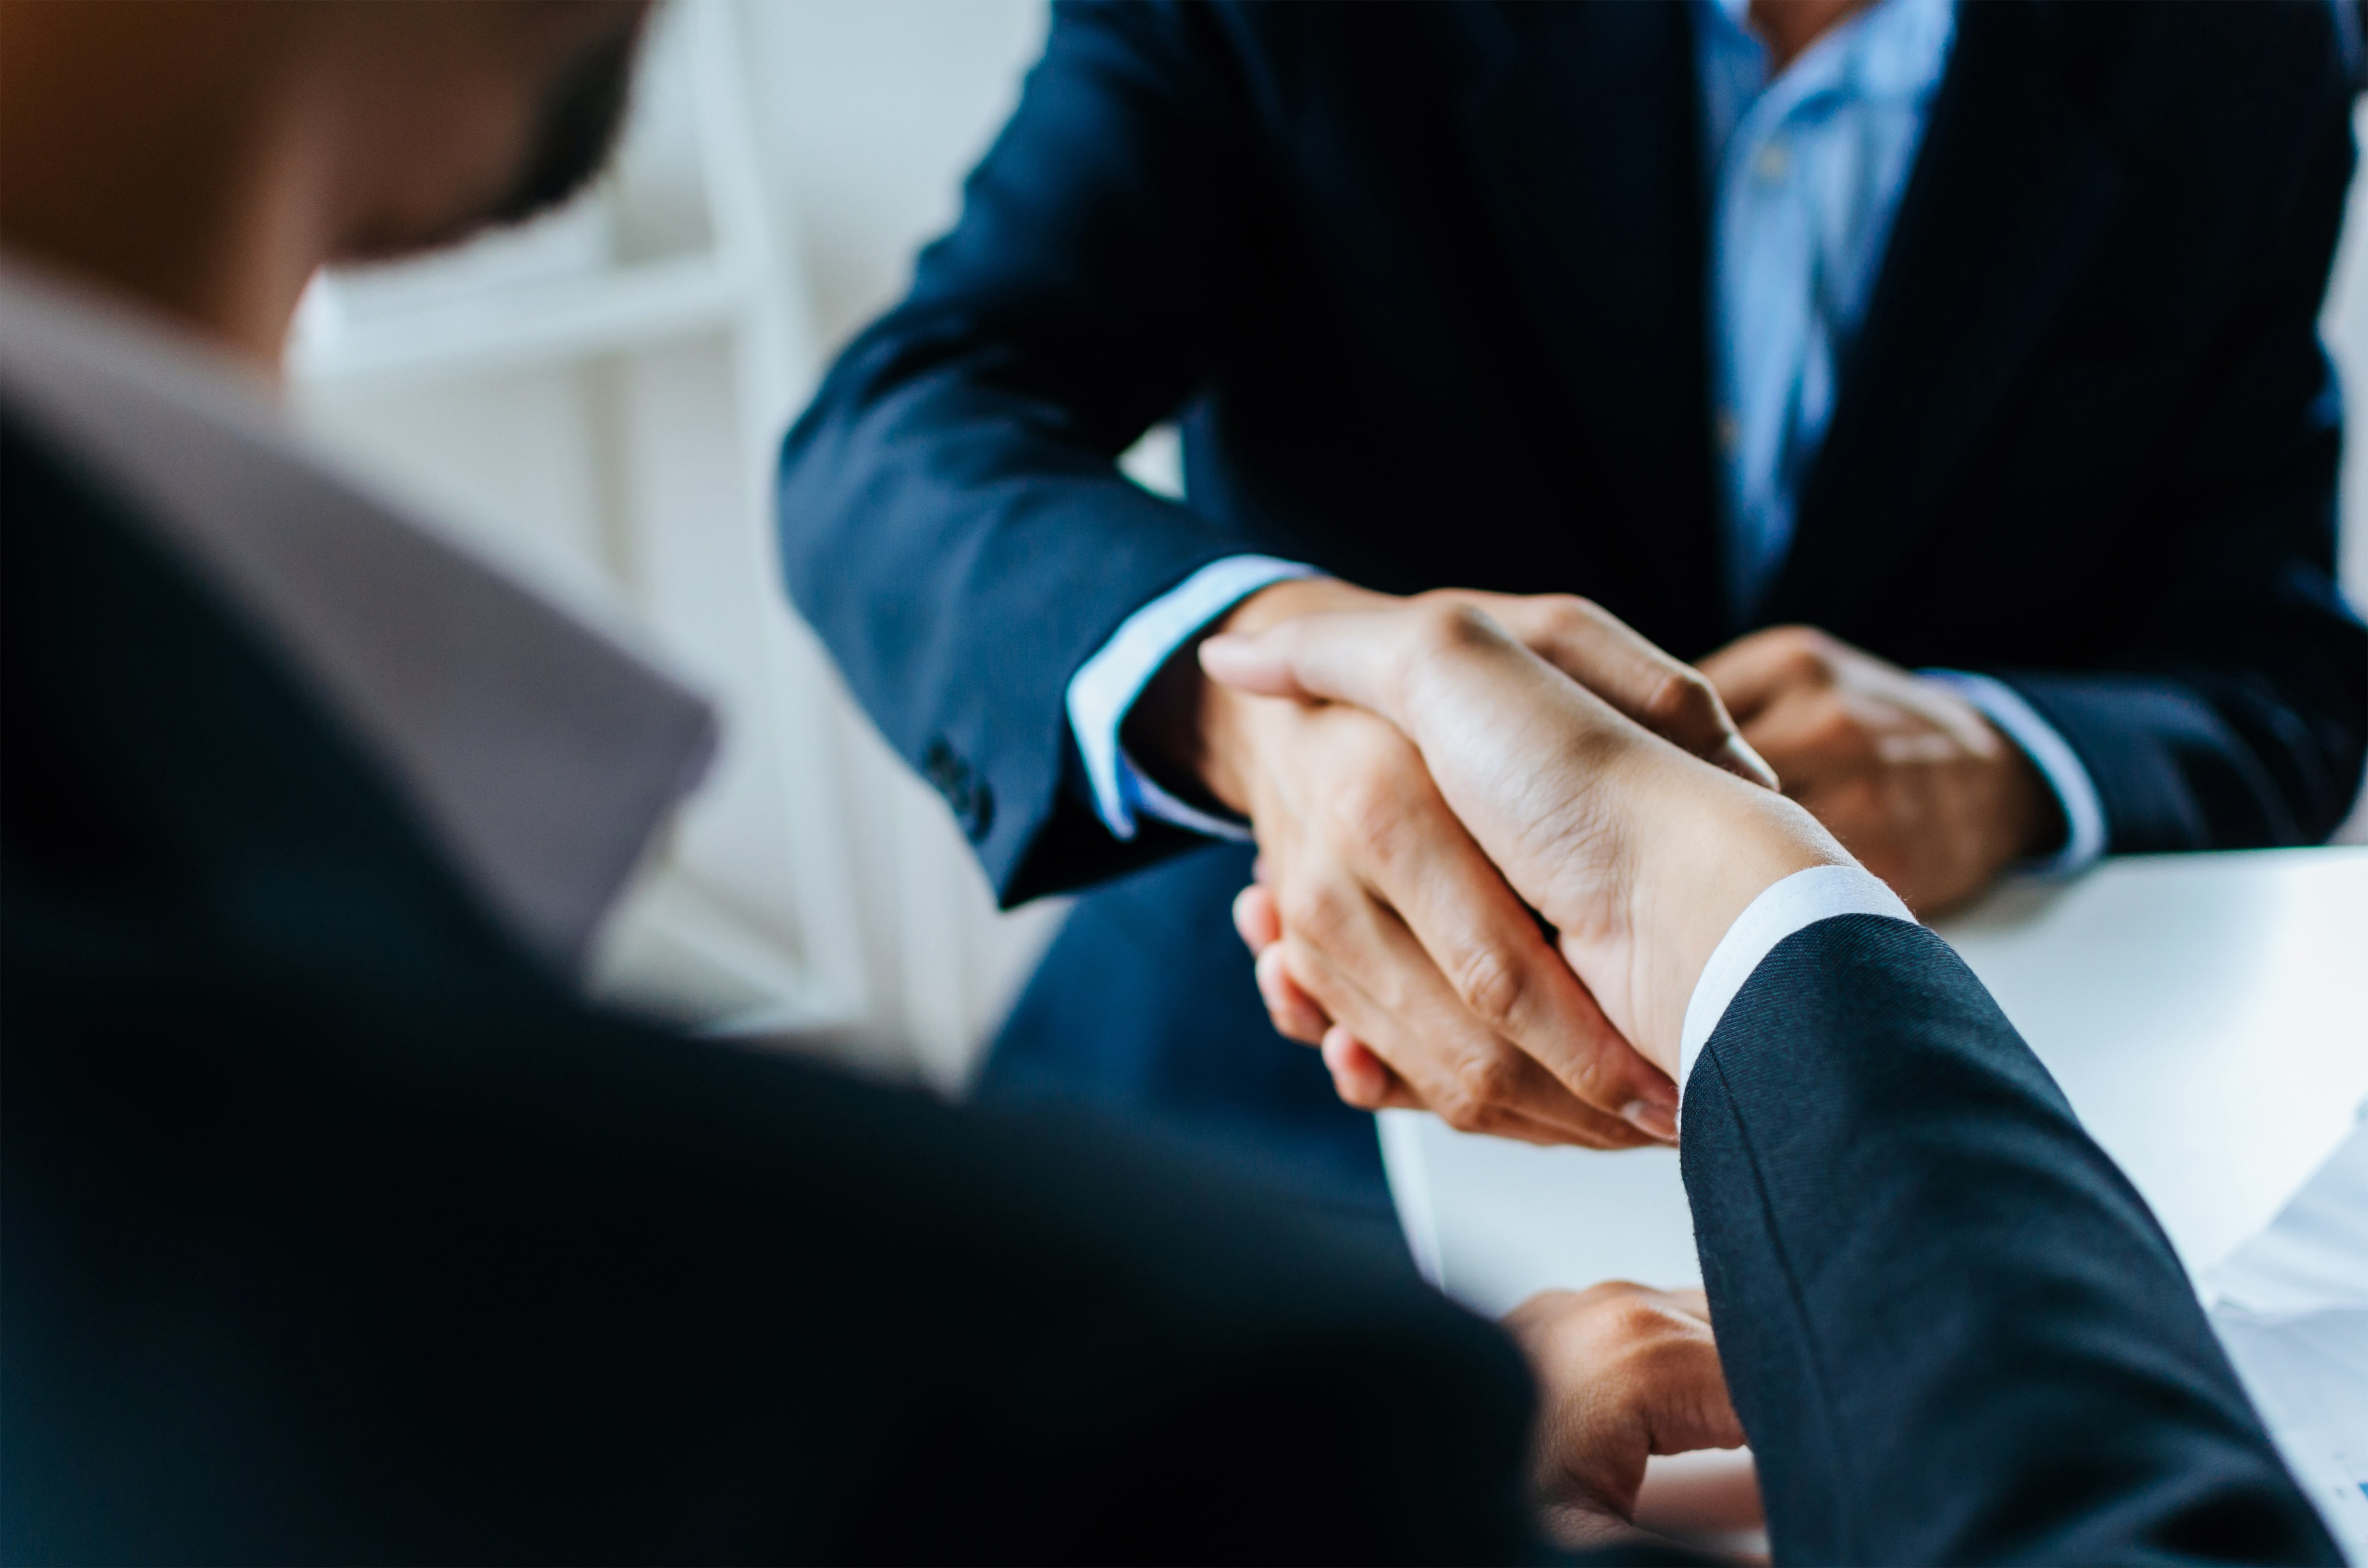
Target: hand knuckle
1487 1078
1315 908
1449 626
1683 703
1369 808
1835 726
1636 1319
1811 651
1565 614
1459 1111
1587 1077
1493 987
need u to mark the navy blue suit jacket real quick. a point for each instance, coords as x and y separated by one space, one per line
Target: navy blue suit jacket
1426 288
334 1230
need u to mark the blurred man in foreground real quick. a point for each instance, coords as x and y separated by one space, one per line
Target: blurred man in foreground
333 1226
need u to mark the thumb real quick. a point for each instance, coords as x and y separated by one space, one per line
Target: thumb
1256 662
1343 656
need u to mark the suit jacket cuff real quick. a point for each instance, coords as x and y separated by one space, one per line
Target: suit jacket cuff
1797 902
1103 692
2075 792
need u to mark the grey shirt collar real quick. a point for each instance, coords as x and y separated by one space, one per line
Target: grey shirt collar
540 755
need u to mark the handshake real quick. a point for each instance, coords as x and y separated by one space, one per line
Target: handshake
1501 836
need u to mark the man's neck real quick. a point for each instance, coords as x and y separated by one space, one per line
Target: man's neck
217 237
1790 27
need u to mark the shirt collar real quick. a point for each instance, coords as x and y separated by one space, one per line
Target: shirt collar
1892 49
538 754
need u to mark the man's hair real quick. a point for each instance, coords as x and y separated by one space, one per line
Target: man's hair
575 131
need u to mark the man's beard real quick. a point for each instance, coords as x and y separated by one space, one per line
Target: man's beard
576 130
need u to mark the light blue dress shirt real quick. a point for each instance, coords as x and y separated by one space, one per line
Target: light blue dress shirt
1805 174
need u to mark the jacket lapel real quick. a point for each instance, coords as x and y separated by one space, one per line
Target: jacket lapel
2010 188
1582 122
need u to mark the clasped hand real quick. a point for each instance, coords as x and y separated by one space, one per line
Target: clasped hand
1635 852
1386 933
1434 966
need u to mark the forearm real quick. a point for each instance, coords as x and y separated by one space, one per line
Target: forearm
2219 758
1198 734
963 554
1952 1330
953 522
2221 695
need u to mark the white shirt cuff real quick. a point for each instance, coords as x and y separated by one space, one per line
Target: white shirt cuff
1104 689
2075 792
1797 902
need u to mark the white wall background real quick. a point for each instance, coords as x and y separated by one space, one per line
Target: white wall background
787 159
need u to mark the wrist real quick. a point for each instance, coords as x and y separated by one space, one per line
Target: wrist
1187 728
2031 819
1709 845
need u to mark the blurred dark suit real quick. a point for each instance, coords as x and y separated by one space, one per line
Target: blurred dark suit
335 1227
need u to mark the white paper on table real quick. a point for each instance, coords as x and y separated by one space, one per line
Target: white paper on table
2290 1308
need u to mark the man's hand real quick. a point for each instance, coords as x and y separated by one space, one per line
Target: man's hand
1403 936
1638 855
1911 777
1624 1373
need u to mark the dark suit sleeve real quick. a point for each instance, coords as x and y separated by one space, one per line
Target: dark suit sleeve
953 521
2238 714
1953 1331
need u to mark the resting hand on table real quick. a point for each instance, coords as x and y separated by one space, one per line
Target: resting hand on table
1921 786
1401 934
1624 1373
1638 854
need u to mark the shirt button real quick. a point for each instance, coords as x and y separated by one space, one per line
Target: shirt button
1730 432
1771 161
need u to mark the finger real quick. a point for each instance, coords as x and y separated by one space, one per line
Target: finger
1363 1080
1343 657
1813 738
1421 666
1855 811
1688 1404
1712 1497
1752 671
1533 1121
1256 920
1485 942
1472 1080
1359 1077
1604 654
1512 741
1427 1062
1735 754
1294 1014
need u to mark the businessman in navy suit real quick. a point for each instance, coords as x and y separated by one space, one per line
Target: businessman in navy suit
1941 377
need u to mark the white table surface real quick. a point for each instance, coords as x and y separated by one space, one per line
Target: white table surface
2206 1015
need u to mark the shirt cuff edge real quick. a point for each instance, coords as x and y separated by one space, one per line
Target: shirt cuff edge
1105 687
2076 794
1784 908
